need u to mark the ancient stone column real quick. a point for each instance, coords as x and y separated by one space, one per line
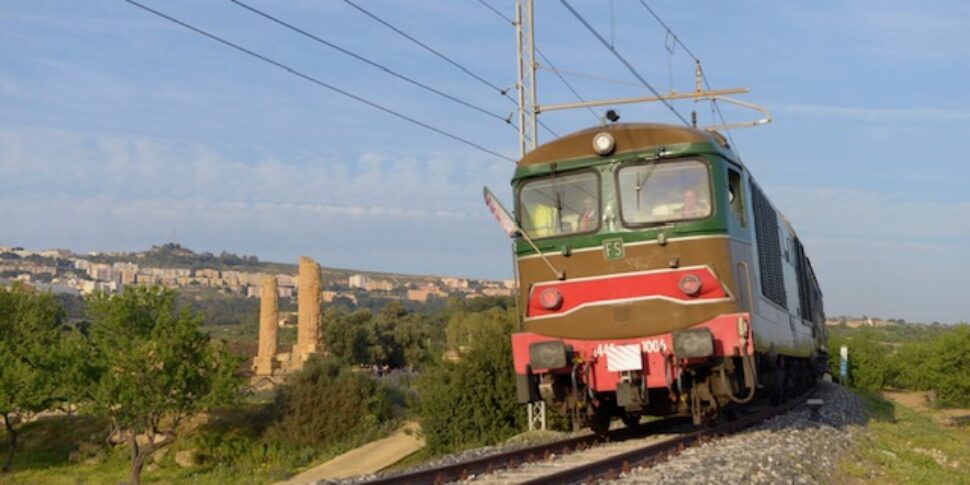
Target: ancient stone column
265 360
308 309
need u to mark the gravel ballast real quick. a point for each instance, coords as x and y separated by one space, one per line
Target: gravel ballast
790 448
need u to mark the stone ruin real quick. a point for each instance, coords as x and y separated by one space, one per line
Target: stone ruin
268 361
265 362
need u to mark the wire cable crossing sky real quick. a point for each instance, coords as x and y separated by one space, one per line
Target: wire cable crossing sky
503 92
623 60
321 83
546 60
375 64
707 85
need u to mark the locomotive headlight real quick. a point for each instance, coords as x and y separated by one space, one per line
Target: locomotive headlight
550 299
690 285
603 143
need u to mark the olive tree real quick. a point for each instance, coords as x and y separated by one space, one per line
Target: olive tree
155 368
30 360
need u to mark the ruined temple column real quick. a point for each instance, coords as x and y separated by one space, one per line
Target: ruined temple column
308 308
265 360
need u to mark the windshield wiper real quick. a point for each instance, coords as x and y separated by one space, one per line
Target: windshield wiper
640 183
558 209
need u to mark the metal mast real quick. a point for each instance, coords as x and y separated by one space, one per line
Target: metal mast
526 71
528 106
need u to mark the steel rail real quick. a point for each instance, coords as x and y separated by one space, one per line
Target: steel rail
610 468
513 458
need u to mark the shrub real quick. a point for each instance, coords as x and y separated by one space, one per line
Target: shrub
949 368
328 404
472 402
908 367
868 366
937 359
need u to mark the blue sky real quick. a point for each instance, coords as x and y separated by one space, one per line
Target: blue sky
118 129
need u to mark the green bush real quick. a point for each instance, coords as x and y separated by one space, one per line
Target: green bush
328 404
949 368
868 366
471 402
908 367
937 359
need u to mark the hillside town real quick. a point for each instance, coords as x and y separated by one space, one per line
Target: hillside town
63 271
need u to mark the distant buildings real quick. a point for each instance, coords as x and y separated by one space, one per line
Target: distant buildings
367 284
425 292
85 274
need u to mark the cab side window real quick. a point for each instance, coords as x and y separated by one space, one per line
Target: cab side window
736 195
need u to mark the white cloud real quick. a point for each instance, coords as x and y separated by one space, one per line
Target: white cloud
68 163
89 192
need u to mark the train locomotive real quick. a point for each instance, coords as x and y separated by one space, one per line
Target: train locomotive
656 278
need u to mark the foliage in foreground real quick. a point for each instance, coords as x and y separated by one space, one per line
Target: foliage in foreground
32 349
940 363
327 402
248 442
471 402
154 369
906 446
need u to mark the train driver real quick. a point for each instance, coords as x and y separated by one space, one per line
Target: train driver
692 207
587 220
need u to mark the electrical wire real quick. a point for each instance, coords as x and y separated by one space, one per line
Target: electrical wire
495 10
622 60
372 63
319 82
590 76
503 92
707 84
564 81
544 59
668 29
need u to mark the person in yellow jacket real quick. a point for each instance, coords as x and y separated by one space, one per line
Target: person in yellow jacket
543 221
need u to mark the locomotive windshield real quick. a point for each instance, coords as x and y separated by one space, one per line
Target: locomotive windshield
653 193
561 204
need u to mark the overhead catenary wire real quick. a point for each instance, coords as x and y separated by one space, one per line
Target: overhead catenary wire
590 76
503 92
320 83
372 63
707 84
566 82
669 30
497 12
544 59
623 61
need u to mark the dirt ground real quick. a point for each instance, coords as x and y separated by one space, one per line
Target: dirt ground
920 401
370 458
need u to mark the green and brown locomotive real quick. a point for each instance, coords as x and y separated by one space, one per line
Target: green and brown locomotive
655 278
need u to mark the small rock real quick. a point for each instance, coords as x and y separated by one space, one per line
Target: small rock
159 455
186 458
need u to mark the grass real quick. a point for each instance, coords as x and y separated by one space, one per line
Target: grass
904 445
229 447
46 445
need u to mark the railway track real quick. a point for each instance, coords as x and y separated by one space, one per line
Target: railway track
590 461
514 458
